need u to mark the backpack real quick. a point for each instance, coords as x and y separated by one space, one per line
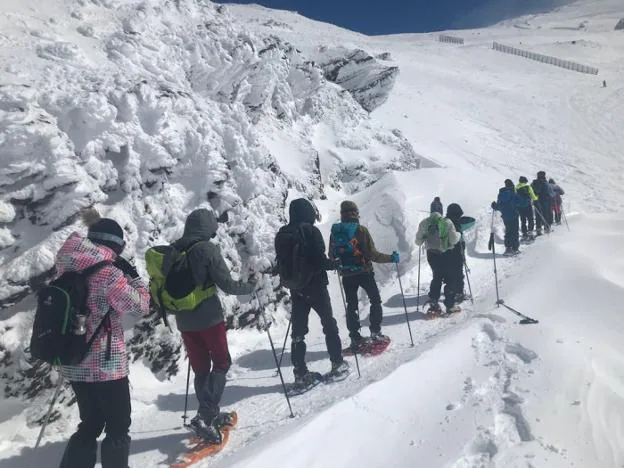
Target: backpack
174 290
293 267
55 339
346 247
437 234
525 197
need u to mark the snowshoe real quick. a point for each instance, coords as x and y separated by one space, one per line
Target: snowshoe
434 310
226 420
369 347
377 337
207 432
453 310
304 383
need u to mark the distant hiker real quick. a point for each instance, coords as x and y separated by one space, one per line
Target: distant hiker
436 206
543 206
352 244
197 260
303 266
525 209
557 200
100 379
604 83
456 258
439 236
508 203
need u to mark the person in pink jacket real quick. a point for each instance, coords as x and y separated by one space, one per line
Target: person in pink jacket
100 381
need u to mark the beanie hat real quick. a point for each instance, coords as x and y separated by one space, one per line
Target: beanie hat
523 180
454 211
107 232
509 183
541 175
349 210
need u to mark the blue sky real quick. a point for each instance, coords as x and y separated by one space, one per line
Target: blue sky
399 16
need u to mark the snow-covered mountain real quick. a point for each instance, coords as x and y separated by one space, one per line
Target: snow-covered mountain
150 109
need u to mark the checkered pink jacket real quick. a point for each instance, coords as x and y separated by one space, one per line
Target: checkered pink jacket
109 288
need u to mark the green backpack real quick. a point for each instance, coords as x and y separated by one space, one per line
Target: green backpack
175 290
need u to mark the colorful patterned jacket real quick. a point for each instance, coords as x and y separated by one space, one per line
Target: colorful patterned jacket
110 289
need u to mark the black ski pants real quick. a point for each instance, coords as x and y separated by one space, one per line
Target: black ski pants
544 210
351 284
512 237
102 406
527 220
443 273
454 274
313 297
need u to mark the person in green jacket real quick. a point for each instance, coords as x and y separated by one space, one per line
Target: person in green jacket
527 218
203 328
353 246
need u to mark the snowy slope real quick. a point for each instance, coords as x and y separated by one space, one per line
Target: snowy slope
475 390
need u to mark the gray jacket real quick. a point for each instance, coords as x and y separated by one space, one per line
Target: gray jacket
208 267
423 227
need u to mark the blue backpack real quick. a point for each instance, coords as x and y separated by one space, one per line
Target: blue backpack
346 247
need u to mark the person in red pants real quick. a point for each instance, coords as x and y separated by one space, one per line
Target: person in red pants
203 328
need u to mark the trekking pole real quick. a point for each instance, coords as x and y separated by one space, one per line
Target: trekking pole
279 371
418 284
499 302
404 305
468 281
492 247
344 302
284 345
46 420
188 381
565 218
543 219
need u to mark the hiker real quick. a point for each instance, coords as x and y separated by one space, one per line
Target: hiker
508 204
100 380
352 244
543 205
439 236
557 205
203 326
436 206
527 220
301 237
456 256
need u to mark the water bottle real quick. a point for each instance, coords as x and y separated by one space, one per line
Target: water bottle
80 324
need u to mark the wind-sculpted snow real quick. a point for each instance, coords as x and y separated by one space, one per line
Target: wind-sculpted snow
148 110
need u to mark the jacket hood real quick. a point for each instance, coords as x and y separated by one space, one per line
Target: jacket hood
79 253
301 211
201 224
454 211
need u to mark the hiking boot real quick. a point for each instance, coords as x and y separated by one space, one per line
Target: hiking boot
224 420
378 336
308 378
508 251
538 232
339 367
356 342
207 431
454 309
434 307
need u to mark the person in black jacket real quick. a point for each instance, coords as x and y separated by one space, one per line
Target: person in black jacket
543 206
313 296
455 259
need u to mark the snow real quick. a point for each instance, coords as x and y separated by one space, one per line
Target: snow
150 109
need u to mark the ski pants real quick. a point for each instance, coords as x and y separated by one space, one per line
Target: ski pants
366 281
543 210
102 406
312 297
442 271
527 219
556 208
454 274
210 359
512 239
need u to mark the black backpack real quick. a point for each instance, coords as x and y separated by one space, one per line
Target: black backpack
293 266
53 337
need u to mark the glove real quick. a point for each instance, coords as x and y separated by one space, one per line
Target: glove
493 205
126 267
395 257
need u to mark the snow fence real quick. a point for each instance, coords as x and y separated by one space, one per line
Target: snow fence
546 59
451 39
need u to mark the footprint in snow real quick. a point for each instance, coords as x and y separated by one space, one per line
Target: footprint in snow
522 353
